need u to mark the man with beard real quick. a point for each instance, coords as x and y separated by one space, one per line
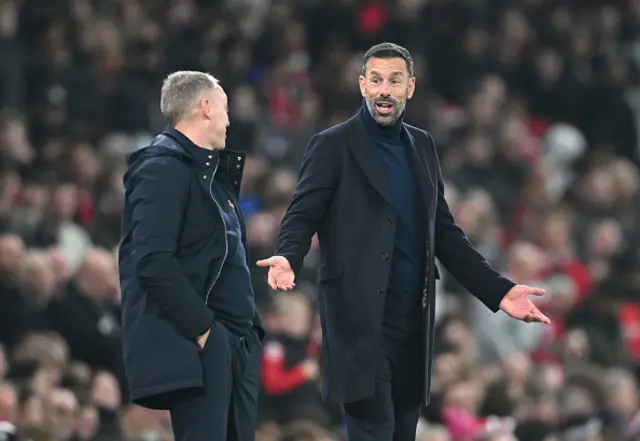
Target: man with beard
371 188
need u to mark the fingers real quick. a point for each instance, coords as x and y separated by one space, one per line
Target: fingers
265 262
285 286
535 316
535 291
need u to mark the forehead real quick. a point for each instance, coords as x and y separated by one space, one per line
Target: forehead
386 66
62 398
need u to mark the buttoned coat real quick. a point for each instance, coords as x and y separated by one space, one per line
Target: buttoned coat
342 195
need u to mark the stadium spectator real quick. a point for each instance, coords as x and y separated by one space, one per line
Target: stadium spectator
534 106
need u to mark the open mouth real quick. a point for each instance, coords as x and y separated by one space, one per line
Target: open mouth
384 107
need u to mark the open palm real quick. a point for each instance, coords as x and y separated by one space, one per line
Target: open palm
281 276
516 303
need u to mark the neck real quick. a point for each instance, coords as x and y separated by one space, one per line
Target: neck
392 131
194 135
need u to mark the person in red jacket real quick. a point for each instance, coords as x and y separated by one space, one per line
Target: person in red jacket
290 367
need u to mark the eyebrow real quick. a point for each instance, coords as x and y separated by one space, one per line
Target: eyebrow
395 73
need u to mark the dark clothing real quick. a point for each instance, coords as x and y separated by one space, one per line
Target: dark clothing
90 328
226 408
409 247
233 300
343 195
17 316
392 412
172 252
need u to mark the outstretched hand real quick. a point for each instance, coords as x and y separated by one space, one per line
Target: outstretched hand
281 276
516 303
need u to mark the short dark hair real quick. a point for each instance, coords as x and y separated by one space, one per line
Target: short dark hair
386 51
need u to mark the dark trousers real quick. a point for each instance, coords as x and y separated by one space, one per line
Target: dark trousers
392 413
226 409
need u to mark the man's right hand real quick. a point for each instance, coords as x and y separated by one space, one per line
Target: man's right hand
281 276
202 340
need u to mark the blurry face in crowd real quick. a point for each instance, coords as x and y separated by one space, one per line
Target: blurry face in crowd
213 106
11 253
87 424
65 201
105 391
294 315
34 195
8 403
61 412
386 87
32 410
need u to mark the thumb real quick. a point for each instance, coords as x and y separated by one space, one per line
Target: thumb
535 291
265 262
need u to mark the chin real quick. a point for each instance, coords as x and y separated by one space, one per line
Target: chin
386 120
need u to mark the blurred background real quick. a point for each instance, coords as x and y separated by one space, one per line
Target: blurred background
535 105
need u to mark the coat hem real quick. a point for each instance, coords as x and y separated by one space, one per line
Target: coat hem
144 393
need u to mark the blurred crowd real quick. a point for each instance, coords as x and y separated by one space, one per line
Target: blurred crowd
535 108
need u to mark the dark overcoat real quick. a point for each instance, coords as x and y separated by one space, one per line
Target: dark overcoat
342 195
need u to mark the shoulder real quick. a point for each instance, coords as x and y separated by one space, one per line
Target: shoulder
333 133
159 169
421 135
328 143
159 160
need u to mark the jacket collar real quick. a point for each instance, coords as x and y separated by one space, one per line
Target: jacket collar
362 146
230 162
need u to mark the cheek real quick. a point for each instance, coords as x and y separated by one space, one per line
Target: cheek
371 90
401 93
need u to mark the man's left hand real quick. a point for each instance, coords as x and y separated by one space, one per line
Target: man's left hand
517 304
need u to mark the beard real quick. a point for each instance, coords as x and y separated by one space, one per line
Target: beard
388 117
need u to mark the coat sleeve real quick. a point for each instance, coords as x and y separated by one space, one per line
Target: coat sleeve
460 257
158 198
311 198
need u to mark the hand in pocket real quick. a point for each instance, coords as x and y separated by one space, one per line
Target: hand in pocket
202 340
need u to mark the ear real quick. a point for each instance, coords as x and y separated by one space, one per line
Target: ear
204 105
412 87
362 80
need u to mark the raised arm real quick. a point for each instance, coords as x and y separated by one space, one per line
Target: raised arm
462 260
312 196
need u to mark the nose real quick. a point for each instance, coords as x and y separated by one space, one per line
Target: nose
384 89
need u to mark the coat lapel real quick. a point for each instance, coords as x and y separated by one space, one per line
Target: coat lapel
421 169
363 149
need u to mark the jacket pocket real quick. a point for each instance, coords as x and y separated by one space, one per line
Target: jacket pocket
212 334
159 359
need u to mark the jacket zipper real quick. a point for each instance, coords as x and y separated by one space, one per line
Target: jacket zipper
226 244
